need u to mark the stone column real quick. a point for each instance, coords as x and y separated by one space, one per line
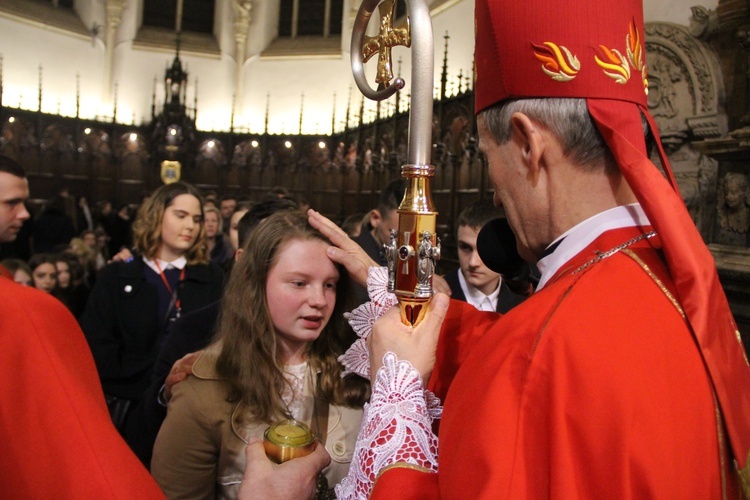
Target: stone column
242 19
114 17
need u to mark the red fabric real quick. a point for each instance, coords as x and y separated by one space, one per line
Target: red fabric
690 264
410 484
510 50
4 273
57 437
592 388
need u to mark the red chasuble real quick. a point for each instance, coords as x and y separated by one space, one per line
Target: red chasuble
592 388
56 436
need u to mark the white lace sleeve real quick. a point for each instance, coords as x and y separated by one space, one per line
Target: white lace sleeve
397 423
396 428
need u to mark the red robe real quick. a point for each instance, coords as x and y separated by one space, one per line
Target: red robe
592 388
57 439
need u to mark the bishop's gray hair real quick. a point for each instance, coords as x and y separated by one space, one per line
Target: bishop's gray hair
567 118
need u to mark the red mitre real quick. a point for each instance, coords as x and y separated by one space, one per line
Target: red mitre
596 50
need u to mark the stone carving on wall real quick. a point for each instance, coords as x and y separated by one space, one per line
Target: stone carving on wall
685 85
686 98
733 209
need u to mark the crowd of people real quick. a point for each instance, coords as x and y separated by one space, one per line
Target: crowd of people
79 241
285 295
262 348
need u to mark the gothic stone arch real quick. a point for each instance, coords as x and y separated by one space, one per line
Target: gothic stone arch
686 98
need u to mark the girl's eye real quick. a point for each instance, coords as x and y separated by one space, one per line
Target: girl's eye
298 283
331 286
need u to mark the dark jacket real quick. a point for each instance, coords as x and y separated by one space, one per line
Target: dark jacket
190 333
506 300
375 250
122 326
51 229
221 252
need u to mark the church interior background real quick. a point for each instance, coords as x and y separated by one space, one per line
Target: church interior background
244 95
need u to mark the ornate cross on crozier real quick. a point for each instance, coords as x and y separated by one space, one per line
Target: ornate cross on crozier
389 36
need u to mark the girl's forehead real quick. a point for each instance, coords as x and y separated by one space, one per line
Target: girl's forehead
185 200
308 252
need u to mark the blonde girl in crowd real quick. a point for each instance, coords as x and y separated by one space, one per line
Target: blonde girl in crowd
274 357
133 303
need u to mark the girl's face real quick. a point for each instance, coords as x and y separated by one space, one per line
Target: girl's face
22 277
63 274
180 227
45 276
211 221
301 295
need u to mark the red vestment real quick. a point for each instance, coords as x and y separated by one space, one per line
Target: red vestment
57 438
592 388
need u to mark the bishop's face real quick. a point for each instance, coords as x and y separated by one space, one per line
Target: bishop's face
509 179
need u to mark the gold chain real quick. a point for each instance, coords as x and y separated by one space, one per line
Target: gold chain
612 251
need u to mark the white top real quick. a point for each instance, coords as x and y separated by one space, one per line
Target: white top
294 393
476 298
578 237
178 263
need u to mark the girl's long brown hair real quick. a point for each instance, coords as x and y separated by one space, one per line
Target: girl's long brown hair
249 355
147 224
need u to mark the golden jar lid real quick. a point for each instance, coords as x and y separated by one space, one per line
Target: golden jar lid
288 439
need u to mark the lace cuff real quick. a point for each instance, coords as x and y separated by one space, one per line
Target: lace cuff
357 358
397 423
397 427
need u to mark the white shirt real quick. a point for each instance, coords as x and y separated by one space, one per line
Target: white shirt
476 298
178 263
578 237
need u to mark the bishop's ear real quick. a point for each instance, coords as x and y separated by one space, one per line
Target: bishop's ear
528 137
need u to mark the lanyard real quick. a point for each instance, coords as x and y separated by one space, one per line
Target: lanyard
169 288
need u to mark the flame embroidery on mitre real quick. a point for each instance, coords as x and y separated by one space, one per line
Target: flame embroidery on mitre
644 75
613 63
557 61
635 52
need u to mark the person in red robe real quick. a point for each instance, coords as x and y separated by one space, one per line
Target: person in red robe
623 376
57 438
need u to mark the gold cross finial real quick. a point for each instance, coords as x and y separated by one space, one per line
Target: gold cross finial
389 37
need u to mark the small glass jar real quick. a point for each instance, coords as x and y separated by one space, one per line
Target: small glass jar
288 439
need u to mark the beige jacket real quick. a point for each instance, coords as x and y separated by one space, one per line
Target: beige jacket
200 450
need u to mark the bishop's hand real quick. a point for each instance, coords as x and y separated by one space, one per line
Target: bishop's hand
414 344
